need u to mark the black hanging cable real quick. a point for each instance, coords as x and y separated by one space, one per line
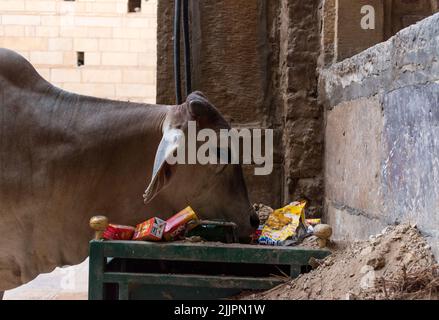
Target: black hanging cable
177 75
187 47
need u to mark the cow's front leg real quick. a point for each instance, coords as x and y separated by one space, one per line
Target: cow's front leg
1 295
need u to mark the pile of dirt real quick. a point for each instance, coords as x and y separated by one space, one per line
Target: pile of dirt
396 264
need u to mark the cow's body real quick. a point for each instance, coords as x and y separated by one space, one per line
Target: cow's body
63 158
66 157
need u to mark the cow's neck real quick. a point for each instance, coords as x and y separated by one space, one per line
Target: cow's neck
105 159
107 122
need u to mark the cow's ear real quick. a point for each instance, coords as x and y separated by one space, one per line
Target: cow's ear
164 163
198 105
158 182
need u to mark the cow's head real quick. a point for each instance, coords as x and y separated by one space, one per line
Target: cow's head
215 191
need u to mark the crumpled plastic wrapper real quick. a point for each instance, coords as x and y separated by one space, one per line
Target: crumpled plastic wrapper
285 226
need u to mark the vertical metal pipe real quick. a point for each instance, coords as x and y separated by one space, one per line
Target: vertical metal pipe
187 47
177 74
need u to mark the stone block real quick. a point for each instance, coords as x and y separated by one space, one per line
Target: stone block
98 21
40 6
46 31
46 58
113 45
102 90
24 43
119 59
139 76
101 75
133 90
11 5
85 44
60 44
22 20
99 32
14 31
63 75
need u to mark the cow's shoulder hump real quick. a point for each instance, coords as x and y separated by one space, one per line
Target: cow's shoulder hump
16 70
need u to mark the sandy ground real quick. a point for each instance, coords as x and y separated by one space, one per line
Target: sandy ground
68 283
396 264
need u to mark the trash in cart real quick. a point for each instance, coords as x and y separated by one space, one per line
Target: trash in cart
118 232
150 230
285 226
153 229
179 224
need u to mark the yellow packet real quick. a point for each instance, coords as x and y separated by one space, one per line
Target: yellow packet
283 223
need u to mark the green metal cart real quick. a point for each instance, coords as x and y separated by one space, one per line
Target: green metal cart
123 270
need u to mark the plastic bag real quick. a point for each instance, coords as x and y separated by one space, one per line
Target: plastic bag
283 224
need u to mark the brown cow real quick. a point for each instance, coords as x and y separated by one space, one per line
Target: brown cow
65 157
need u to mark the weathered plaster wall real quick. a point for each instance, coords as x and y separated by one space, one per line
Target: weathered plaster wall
382 136
256 61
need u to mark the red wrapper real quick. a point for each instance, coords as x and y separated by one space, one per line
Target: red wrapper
150 230
118 232
186 219
255 236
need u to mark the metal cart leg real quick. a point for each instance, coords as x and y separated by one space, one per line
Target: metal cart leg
123 291
295 270
96 271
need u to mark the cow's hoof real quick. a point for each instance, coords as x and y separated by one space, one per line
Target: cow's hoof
1 295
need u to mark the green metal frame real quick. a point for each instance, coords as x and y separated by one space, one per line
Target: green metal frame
100 251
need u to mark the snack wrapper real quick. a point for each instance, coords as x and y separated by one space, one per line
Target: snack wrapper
150 230
283 224
118 232
255 236
313 222
177 225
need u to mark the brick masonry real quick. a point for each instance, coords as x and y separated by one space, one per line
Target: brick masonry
119 47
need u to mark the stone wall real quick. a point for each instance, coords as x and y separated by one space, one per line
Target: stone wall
382 138
343 35
256 61
302 115
231 66
119 47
